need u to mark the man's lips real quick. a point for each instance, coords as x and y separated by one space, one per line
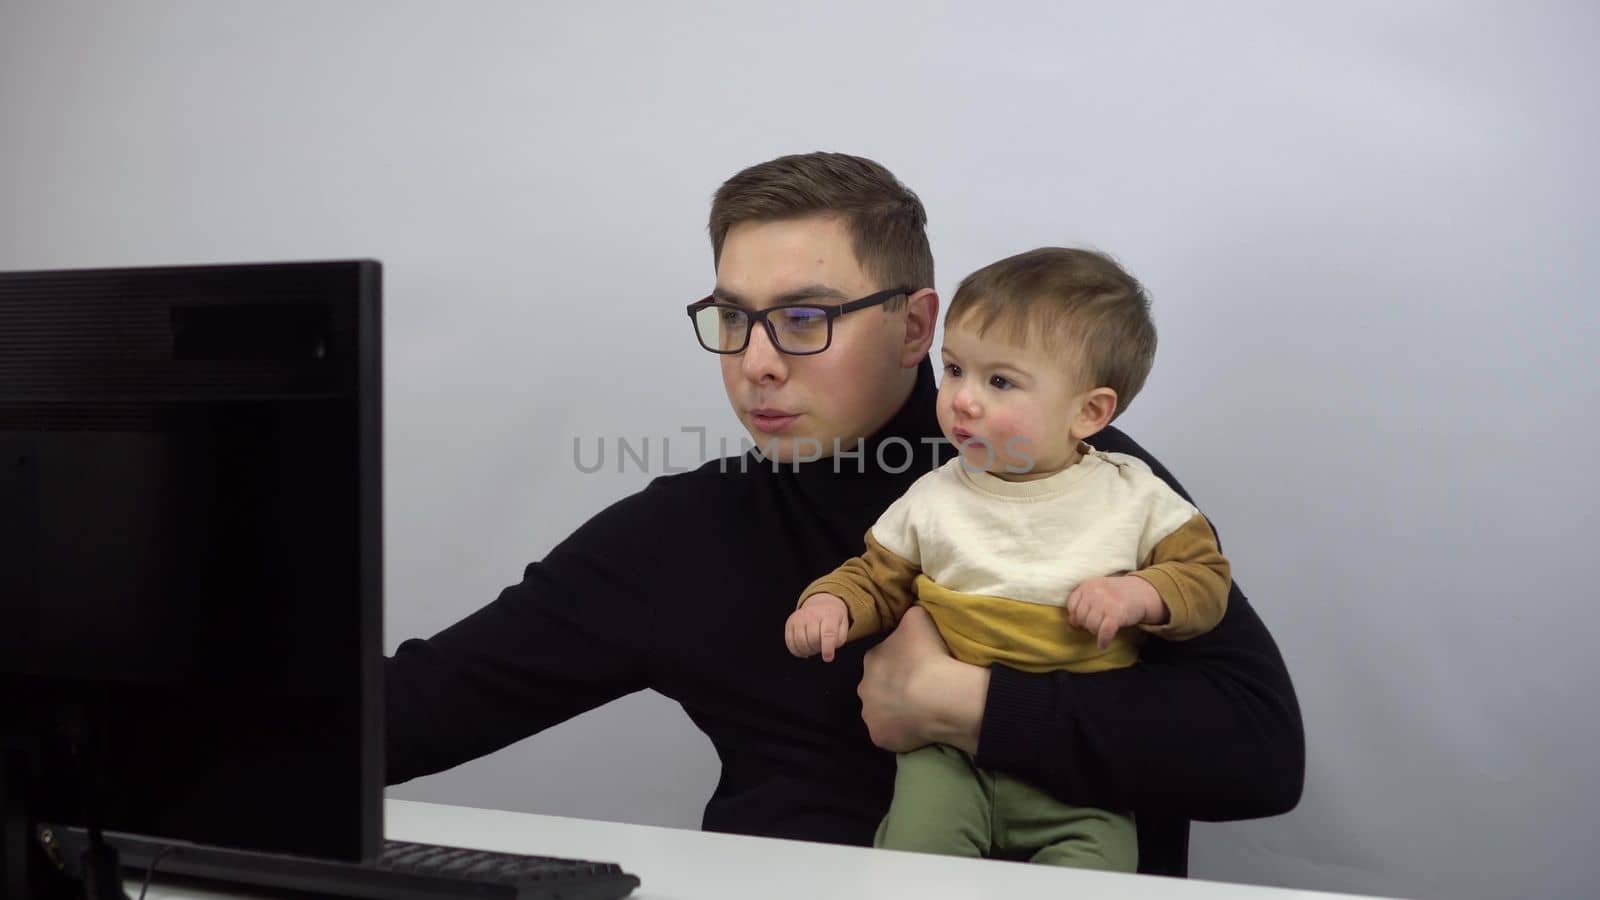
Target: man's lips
772 421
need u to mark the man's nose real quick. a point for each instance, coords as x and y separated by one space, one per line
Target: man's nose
762 361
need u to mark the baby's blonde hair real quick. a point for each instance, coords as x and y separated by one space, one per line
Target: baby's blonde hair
1080 303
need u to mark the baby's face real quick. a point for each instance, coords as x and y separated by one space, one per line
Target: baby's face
1009 408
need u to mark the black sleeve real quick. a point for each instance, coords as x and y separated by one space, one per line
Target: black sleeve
1203 729
573 635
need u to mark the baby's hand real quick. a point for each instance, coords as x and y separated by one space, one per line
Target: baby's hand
821 623
1101 606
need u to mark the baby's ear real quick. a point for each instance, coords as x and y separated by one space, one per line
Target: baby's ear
1099 407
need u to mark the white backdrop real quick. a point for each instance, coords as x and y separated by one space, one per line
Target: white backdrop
1369 230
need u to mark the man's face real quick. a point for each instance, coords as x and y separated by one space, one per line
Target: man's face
1010 409
799 406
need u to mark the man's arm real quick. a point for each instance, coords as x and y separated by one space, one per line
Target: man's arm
1202 729
573 635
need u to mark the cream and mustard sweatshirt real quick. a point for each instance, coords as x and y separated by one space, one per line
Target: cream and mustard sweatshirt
993 561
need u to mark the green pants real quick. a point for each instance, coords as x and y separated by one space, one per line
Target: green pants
945 804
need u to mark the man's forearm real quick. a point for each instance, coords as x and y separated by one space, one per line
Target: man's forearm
1208 729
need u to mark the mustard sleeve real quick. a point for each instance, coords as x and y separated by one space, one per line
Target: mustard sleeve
1189 571
876 587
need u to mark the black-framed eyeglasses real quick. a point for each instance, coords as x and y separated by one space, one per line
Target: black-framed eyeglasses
798 329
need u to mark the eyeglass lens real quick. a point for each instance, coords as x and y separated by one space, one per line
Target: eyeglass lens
798 329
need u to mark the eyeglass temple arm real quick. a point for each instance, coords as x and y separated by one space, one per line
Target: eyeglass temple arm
870 300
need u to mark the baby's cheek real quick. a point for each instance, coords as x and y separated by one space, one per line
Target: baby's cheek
1012 438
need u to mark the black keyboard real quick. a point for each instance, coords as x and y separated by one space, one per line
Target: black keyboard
404 871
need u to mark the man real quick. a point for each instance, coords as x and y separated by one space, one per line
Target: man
684 587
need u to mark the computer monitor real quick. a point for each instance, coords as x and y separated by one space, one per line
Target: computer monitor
191 555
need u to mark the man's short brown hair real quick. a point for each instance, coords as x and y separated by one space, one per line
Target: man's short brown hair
886 221
1080 303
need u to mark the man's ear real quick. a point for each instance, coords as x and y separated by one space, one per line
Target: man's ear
1099 406
922 316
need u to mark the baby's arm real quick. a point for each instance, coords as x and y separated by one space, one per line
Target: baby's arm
872 591
1192 576
1181 593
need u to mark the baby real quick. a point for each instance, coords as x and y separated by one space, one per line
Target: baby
1030 548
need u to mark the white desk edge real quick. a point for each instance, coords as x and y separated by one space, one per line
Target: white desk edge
678 864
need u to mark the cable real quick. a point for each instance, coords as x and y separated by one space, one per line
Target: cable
151 871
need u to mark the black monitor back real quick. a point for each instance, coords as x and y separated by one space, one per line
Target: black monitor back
191 552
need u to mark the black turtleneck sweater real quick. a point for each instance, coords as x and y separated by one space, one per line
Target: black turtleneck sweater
684 587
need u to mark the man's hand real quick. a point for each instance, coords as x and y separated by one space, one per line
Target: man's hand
820 624
913 693
1102 606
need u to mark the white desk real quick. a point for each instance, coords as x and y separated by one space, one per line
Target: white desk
675 864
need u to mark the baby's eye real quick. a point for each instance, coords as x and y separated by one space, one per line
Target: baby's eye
1000 382
952 369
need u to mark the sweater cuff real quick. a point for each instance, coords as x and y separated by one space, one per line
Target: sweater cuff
1014 717
1179 616
863 616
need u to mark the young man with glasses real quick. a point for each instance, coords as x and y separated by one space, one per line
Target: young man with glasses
683 586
